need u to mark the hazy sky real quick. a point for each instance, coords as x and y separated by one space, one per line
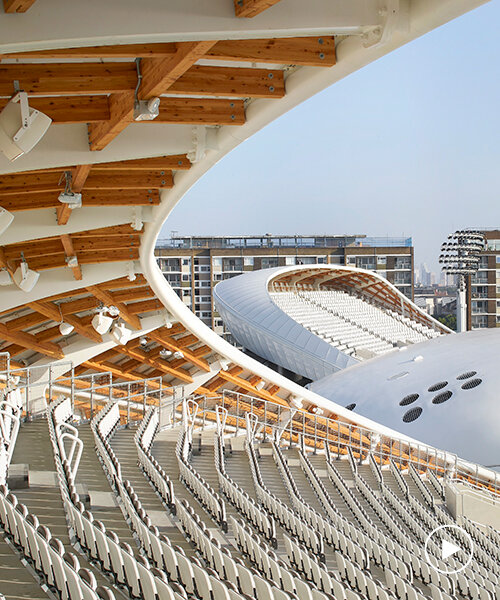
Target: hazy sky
408 145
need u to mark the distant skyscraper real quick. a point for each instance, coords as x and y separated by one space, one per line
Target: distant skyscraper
425 275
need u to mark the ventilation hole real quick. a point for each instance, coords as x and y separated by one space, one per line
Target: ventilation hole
437 386
351 406
468 385
440 398
408 399
412 414
466 375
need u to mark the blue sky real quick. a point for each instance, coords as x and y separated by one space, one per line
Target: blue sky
409 145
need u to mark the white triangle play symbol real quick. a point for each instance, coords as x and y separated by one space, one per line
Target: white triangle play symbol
448 549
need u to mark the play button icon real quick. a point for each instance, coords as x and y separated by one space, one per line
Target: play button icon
449 549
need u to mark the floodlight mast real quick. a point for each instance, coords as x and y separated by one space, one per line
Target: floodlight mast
460 255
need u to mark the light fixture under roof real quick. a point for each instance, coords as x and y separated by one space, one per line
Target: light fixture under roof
120 333
69 197
24 277
101 322
65 328
21 127
6 219
113 311
5 278
178 354
164 353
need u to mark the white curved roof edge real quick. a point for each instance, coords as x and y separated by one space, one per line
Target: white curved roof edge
437 324
300 85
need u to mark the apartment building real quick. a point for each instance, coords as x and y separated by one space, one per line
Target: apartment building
484 289
194 264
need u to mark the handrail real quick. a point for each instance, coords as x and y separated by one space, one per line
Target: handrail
76 446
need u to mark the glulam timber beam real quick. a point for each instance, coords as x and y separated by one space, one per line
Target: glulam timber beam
158 76
69 251
51 311
170 343
108 299
252 8
116 370
291 51
79 176
152 359
251 389
17 6
119 197
57 79
30 342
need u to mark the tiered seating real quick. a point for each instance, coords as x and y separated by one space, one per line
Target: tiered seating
350 323
267 549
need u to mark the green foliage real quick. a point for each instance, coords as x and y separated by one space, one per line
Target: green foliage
449 320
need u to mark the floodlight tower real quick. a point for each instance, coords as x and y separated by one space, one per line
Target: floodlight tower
460 255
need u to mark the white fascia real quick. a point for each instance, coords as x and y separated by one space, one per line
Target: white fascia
68 145
42 223
62 24
59 281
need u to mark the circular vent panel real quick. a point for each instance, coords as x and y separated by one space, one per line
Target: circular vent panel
440 398
412 414
466 375
472 383
408 399
437 386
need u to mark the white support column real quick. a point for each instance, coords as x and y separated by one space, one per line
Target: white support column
461 307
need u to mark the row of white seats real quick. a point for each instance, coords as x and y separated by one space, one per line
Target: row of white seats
475 583
185 575
151 468
203 491
381 549
240 499
46 554
280 511
423 489
11 407
115 558
290 583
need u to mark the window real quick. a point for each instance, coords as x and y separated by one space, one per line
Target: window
205 314
186 292
365 262
269 263
289 260
185 278
497 259
232 264
350 260
381 260
186 261
402 278
402 262
479 321
321 260
248 261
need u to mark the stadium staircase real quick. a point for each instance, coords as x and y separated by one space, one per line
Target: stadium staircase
221 503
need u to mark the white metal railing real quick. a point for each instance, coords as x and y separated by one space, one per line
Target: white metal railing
275 420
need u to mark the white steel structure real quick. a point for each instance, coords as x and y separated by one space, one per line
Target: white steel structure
316 320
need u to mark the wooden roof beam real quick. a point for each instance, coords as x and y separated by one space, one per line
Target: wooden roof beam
30 342
108 299
78 177
17 6
309 51
62 79
69 251
116 197
149 358
52 312
252 8
171 344
158 75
